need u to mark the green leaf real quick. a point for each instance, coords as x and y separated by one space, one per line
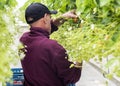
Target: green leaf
118 73
80 5
110 76
111 62
104 2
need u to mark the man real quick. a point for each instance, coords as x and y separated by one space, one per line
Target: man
45 62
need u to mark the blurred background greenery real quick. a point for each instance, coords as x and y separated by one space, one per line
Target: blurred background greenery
96 33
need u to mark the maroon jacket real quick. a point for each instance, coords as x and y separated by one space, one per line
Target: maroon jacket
46 62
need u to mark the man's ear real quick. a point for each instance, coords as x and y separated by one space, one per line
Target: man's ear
45 18
45 15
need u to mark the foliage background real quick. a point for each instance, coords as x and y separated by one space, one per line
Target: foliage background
96 33
9 34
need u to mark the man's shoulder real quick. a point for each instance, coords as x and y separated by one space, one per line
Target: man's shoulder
52 43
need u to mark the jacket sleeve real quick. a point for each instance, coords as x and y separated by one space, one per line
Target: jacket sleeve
53 28
62 67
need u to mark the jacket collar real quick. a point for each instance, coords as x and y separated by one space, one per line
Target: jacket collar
39 31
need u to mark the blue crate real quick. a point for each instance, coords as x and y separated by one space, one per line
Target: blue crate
17 78
71 85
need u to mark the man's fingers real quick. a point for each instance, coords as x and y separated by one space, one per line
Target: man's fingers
70 14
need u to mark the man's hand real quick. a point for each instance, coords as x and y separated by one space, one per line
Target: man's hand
77 64
70 14
60 20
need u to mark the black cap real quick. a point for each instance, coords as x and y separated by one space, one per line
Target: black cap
35 11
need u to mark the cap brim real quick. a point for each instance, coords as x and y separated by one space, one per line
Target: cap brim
53 12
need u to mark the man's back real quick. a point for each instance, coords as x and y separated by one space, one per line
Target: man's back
46 62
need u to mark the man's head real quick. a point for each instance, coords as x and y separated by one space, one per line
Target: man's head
38 13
